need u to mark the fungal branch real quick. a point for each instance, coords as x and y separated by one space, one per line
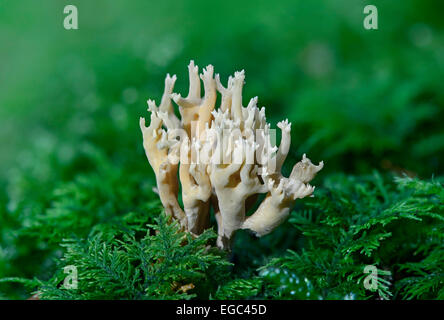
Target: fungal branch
226 157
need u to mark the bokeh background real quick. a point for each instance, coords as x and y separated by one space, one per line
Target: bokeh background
70 100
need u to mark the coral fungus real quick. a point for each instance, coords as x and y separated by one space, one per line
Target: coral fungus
225 157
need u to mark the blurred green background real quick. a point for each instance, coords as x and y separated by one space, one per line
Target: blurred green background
358 99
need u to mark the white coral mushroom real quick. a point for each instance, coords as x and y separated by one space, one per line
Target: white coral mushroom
225 158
